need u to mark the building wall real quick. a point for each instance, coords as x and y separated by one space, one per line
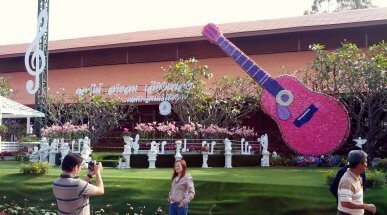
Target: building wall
143 73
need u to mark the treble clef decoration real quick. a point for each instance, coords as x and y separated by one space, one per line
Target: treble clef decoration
36 64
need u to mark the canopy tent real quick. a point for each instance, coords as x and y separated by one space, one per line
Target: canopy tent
12 109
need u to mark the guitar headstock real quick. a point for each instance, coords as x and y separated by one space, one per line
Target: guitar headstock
212 32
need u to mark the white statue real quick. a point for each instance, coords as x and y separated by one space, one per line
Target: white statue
44 149
54 146
205 159
178 156
128 146
360 142
227 153
87 141
152 155
121 163
135 144
227 146
265 153
264 142
31 129
86 147
124 161
34 156
53 152
86 150
64 150
205 152
275 155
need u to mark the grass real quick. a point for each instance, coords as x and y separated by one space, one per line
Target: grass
252 190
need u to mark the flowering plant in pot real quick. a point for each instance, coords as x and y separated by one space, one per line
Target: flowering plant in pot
125 132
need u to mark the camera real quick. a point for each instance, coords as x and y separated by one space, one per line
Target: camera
91 165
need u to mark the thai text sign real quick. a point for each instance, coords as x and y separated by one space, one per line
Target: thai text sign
153 92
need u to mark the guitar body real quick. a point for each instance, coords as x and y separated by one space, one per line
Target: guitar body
324 132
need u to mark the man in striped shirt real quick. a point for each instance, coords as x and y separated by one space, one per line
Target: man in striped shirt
71 192
350 190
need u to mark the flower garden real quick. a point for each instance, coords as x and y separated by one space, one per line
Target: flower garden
242 172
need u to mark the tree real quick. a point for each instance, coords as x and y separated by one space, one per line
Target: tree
358 79
5 89
225 103
326 6
102 113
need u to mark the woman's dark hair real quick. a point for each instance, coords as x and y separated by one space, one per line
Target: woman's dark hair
184 166
70 161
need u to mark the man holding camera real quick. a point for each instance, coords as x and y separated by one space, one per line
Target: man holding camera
71 192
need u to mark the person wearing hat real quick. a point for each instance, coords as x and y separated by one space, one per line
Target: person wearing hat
350 189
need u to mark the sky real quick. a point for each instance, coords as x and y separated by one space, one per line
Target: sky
82 18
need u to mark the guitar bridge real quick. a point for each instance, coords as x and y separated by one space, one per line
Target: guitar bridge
305 116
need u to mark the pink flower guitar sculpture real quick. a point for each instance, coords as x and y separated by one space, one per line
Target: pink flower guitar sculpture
311 123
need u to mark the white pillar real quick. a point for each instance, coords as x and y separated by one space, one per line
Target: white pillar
28 125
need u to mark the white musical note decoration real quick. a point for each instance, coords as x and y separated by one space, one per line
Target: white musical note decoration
185 149
35 66
213 143
245 147
160 152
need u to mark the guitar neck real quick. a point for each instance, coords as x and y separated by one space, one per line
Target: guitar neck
256 72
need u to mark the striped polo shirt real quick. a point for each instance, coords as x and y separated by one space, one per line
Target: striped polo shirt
350 190
72 195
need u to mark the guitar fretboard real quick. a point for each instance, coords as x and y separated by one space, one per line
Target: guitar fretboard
257 73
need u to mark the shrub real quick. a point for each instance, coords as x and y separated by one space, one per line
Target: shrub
276 161
282 161
375 179
28 139
37 168
109 163
21 156
330 175
381 165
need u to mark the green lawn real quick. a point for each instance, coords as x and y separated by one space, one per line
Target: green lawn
251 190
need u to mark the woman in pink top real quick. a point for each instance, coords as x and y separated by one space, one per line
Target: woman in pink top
182 190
